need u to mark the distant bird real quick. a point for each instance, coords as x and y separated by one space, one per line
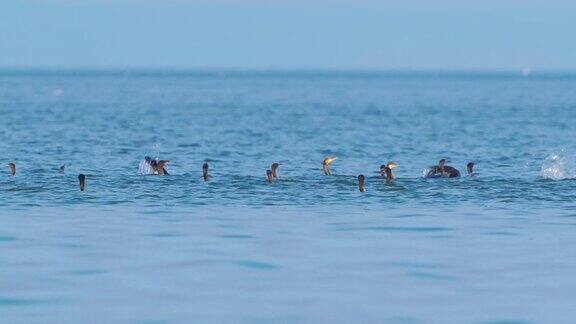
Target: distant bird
274 169
442 170
82 180
269 176
361 181
326 164
386 171
61 169
470 168
12 168
157 166
205 171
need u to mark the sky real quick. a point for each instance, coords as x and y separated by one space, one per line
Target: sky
289 34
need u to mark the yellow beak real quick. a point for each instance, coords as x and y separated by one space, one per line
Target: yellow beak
329 160
391 165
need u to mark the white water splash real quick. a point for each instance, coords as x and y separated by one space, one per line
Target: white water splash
145 168
425 172
559 166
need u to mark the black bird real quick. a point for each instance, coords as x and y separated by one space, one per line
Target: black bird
269 176
12 168
442 170
274 169
158 166
361 182
470 168
82 180
386 171
326 164
205 171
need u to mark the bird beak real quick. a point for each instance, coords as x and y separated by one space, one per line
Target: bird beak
392 165
329 160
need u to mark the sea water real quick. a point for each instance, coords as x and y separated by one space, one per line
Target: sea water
498 247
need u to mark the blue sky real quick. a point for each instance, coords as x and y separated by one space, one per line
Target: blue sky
341 34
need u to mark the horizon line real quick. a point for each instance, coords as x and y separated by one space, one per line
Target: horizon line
223 71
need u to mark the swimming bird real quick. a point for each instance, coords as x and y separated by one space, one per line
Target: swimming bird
12 168
326 164
157 166
274 169
269 176
470 168
61 169
386 171
205 171
361 180
82 180
161 167
442 170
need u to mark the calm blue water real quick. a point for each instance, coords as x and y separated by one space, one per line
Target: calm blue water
496 248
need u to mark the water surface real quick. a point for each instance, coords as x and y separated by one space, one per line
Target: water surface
495 248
